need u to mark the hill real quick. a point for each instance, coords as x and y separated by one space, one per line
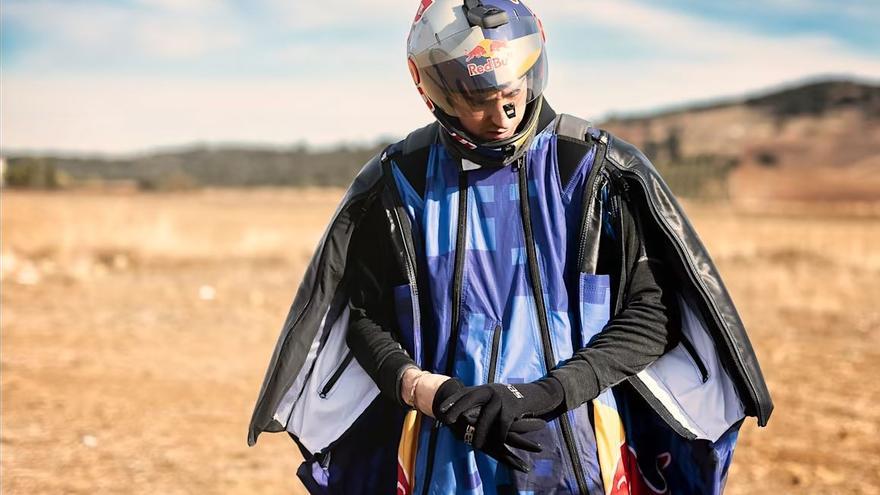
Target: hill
815 141
195 167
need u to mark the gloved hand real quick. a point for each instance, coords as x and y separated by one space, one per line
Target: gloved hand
501 406
497 447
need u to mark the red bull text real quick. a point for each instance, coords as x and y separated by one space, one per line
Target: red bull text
492 51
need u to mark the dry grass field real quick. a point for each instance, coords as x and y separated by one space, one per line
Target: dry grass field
136 329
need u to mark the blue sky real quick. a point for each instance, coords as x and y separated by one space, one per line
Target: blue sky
126 76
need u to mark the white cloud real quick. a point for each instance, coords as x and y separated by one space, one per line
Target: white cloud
95 32
180 39
183 5
715 60
340 13
696 59
128 114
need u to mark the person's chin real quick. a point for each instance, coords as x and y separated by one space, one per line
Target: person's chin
497 136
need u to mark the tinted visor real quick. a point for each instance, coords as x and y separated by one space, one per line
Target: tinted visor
477 63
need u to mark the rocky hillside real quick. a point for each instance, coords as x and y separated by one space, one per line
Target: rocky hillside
819 141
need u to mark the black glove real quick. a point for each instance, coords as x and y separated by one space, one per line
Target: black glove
501 405
497 447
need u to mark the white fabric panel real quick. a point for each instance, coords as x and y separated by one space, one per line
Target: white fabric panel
282 413
317 421
707 409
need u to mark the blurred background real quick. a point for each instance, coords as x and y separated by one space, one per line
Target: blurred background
169 165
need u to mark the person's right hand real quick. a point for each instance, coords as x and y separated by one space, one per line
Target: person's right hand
498 448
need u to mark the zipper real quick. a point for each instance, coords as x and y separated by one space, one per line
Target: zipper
493 359
698 284
410 257
335 376
460 247
537 289
617 217
597 185
692 351
460 250
409 250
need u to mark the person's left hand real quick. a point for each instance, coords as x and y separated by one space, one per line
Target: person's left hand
500 405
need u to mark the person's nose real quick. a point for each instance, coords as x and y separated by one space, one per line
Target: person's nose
498 116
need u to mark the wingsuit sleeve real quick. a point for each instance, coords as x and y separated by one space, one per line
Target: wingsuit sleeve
372 327
646 326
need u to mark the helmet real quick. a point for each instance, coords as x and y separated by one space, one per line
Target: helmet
458 51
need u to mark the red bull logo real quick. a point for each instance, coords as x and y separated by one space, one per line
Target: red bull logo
493 52
630 480
423 6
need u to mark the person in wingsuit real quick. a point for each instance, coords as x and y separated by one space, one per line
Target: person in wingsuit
508 301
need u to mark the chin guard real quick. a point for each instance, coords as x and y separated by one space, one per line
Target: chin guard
510 110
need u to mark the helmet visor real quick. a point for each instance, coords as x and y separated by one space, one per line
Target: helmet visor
470 67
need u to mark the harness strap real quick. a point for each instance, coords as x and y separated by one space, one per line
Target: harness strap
572 127
411 155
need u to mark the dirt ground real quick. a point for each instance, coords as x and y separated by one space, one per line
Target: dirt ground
136 329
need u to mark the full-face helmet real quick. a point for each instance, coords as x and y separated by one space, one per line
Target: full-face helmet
463 54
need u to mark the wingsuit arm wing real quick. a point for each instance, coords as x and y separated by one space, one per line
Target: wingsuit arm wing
372 323
646 326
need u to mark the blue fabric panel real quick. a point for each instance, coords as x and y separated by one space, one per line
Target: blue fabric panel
595 308
497 290
364 460
438 224
667 462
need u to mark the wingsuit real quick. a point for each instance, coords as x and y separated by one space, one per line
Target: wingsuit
507 275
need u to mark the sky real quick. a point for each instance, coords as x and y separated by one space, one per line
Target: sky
128 76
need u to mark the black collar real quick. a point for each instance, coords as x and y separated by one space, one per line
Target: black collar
545 117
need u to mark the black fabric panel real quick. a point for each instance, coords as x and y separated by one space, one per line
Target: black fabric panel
411 155
414 166
372 327
569 153
546 116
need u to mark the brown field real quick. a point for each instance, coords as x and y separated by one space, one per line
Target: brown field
136 329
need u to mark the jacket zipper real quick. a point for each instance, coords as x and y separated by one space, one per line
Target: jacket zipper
493 359
460 247
692 351
701 289
410 262
617 215
335 376
597 185
537 289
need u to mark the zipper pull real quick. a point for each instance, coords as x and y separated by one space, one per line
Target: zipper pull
517 164
624 185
